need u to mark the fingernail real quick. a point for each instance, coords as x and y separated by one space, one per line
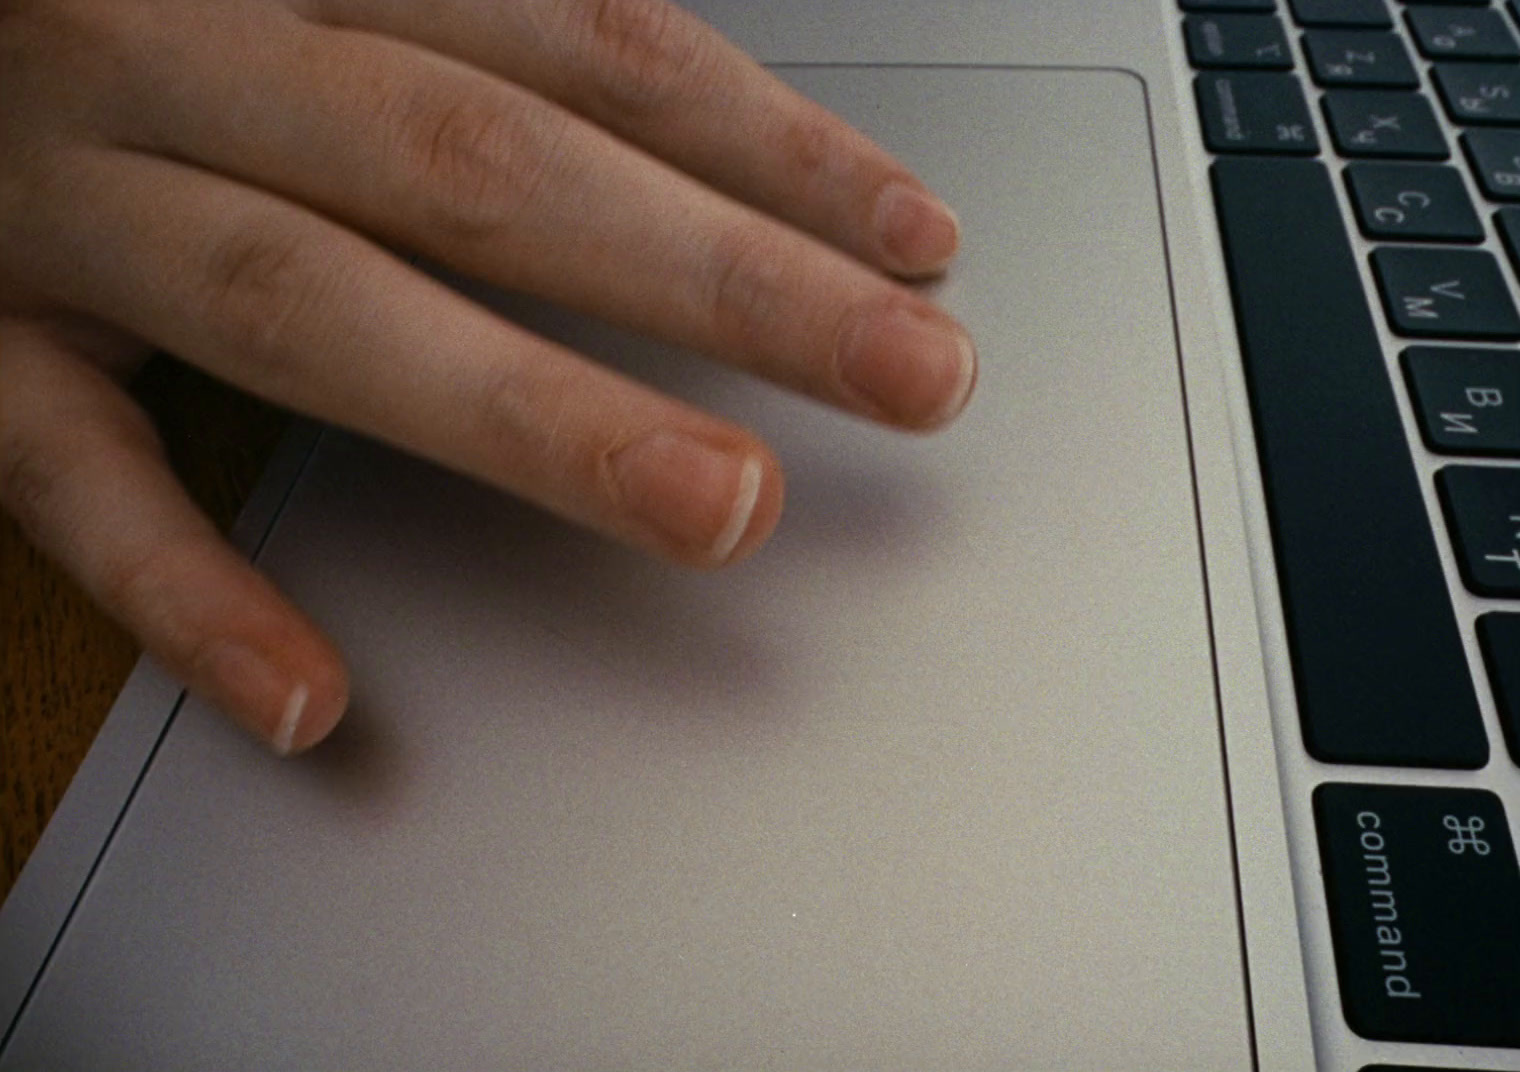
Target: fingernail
290 720
691 494
910 368
255 692
919 233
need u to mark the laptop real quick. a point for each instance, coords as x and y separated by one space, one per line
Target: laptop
1160 714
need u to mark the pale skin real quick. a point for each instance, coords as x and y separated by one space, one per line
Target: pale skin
230 180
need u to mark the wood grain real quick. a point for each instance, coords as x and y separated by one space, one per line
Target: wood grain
63 660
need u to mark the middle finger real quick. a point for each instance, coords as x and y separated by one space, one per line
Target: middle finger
283 303
499 183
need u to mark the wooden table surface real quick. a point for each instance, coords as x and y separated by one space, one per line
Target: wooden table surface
64 661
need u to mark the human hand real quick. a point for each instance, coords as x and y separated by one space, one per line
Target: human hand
224 180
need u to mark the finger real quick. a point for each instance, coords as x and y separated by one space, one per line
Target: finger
81 470
662 78
289 306
494 181
107 348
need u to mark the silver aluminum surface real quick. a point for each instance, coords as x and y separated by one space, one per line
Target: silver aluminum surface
582 796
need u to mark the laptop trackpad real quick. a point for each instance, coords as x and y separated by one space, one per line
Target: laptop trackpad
933 782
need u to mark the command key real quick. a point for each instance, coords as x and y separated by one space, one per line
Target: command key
1424 897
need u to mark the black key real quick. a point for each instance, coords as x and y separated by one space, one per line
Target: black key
1508 220
1499 637
1251 112
1480 92
1467 401
1359 58
1495 157
1379 666
1482 507
1370 122
1237 41
1424 898
1445 294
1228 5
1412 201
1368 14
1479 34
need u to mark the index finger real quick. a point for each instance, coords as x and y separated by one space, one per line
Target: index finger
663 79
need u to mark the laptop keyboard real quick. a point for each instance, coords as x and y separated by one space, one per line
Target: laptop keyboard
1408 115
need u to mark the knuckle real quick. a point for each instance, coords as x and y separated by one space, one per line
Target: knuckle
811 149
654 57
260 279
68 58
43 481
534 436
139 586
504 416
521 425
748 291
27 481
475 163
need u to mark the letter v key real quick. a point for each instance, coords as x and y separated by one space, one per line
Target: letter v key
1472 297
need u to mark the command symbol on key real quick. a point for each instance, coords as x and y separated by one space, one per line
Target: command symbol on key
1467 835
1423 892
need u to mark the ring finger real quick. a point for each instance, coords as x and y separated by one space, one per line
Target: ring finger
483 175
286 304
